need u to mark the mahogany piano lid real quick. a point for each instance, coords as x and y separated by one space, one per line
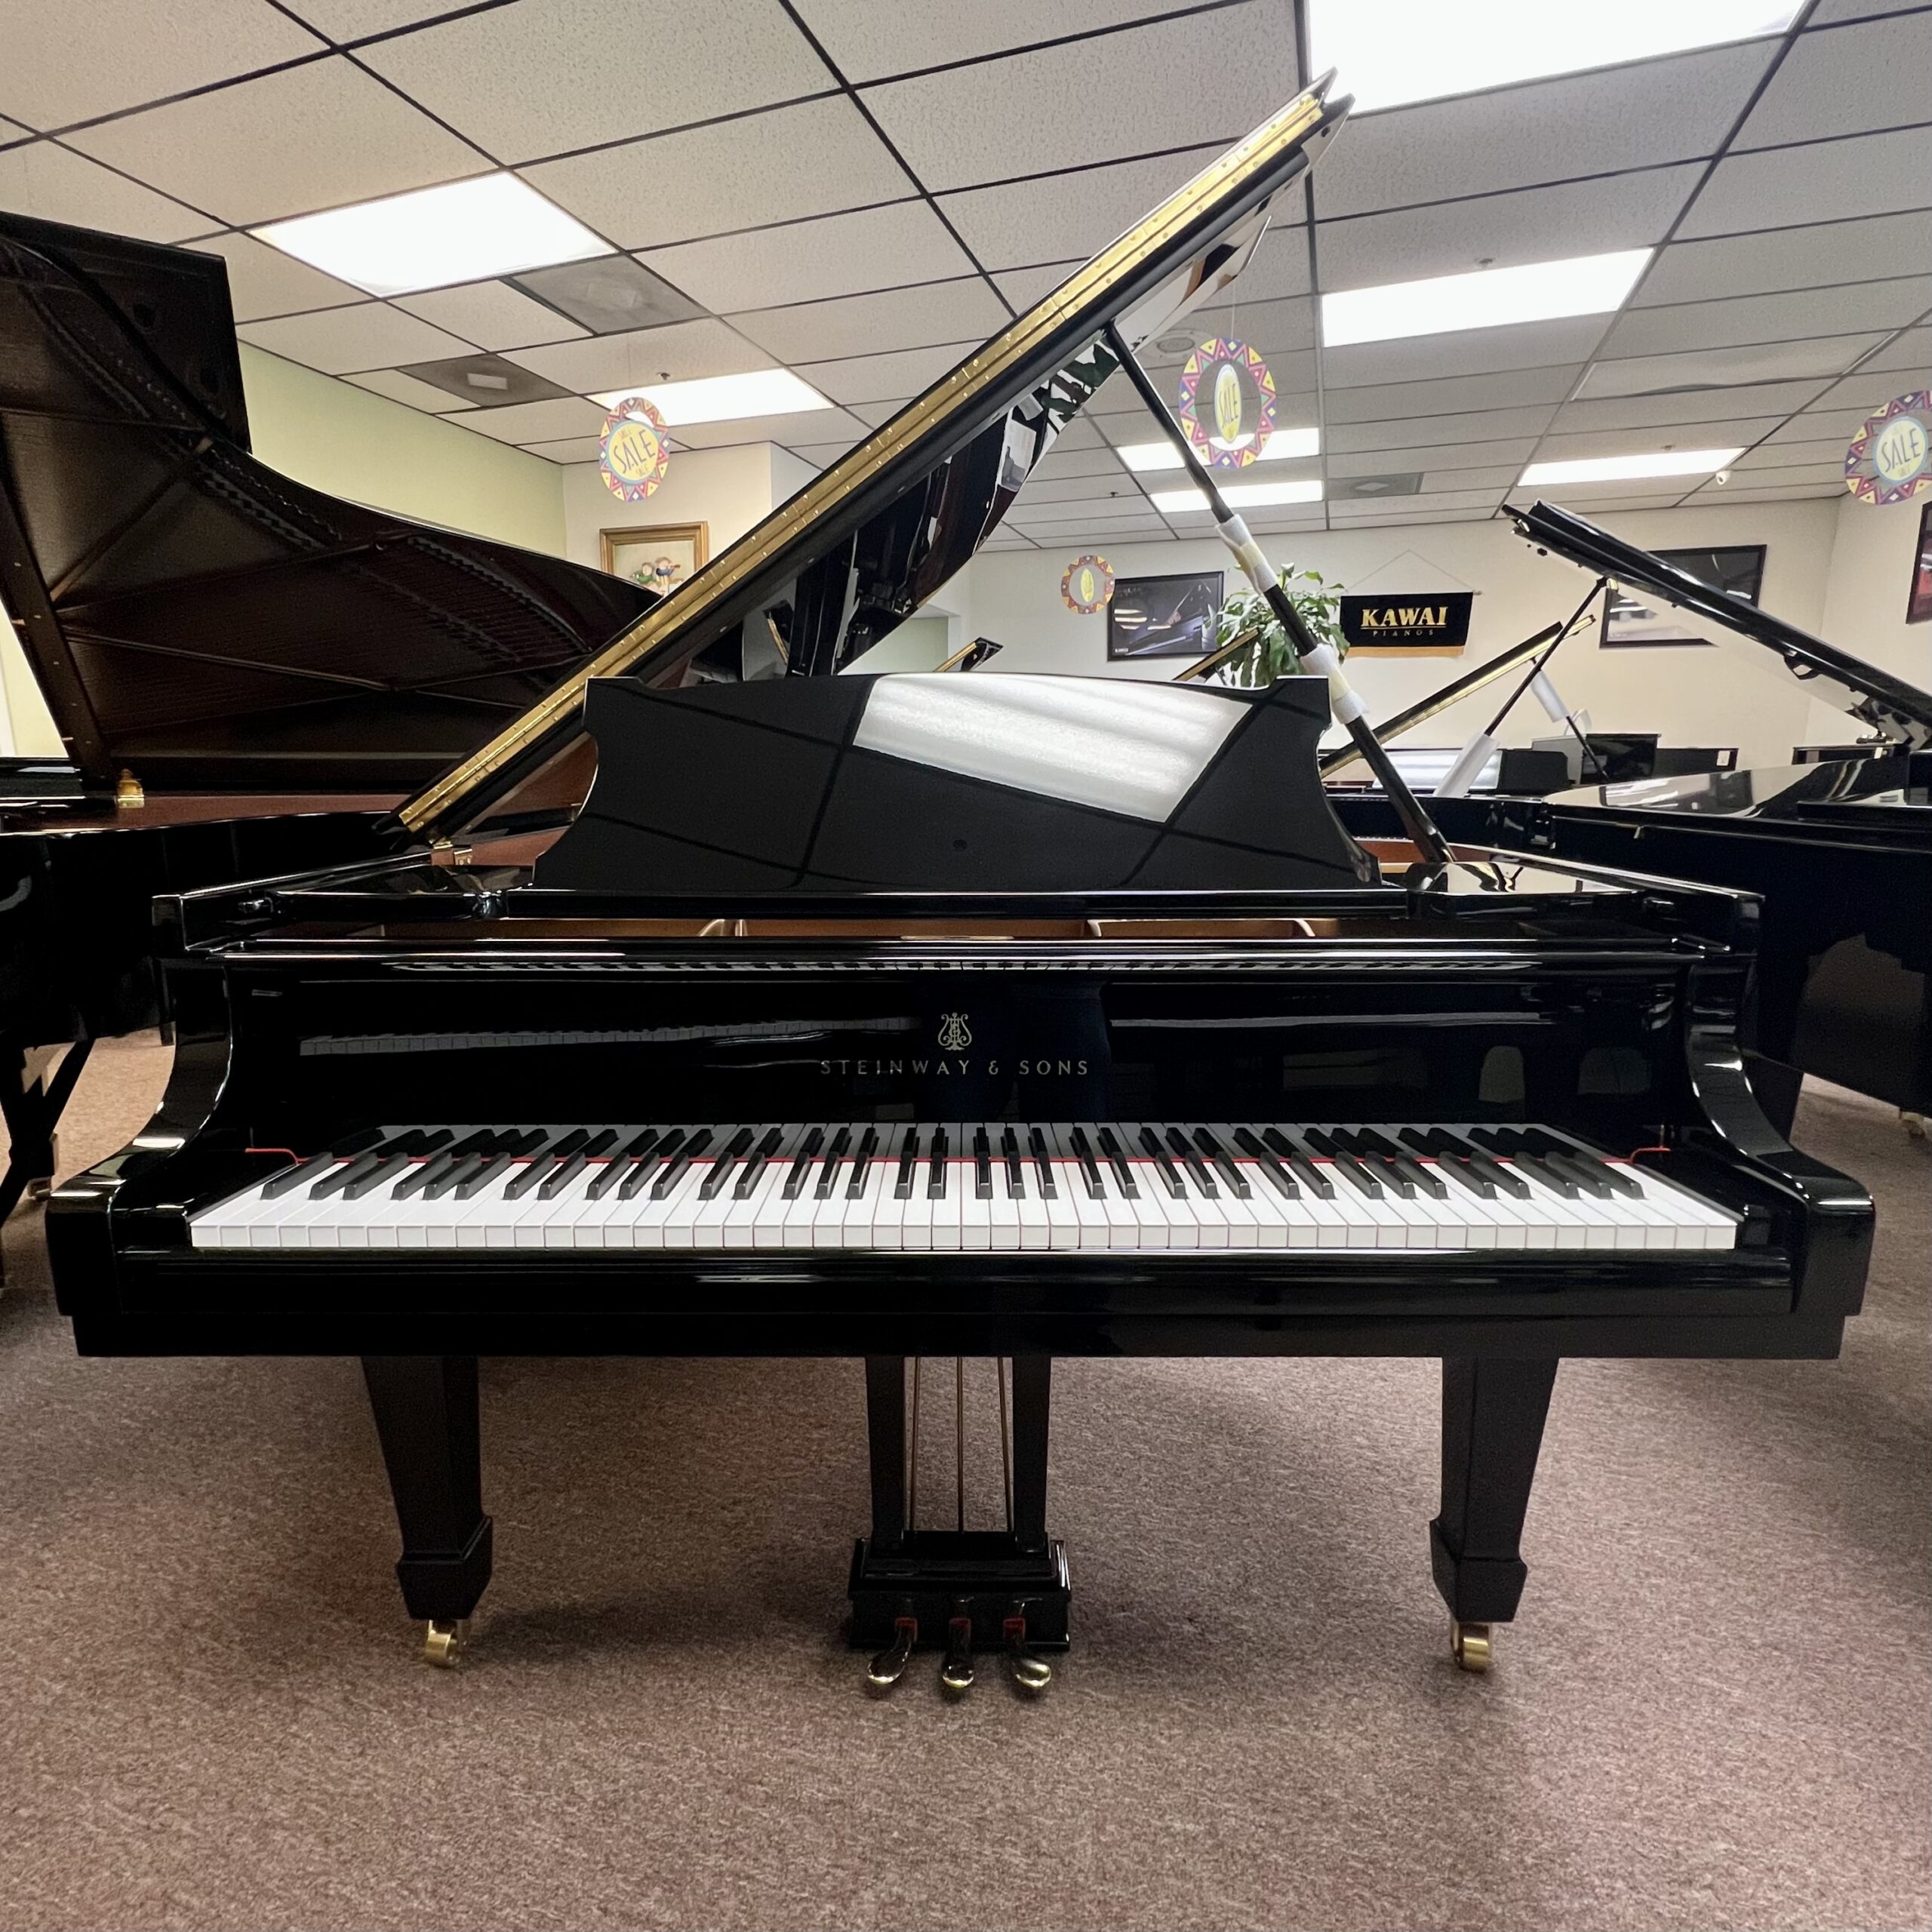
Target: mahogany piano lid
860 548
204 622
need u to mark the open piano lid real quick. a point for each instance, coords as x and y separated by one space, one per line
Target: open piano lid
834 569
197 618
1901 711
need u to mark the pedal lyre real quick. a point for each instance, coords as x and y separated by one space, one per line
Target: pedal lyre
1031 1674
889 1666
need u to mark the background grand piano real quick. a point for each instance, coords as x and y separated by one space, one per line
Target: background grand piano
257 669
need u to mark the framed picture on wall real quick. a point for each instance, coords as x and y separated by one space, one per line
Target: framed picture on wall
659 556
1164 616
1919 605
1643 622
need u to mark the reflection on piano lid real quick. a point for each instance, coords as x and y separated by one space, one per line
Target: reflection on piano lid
203 621
856 551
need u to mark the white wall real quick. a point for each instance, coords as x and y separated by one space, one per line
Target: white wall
727 490
1735 694
1865 602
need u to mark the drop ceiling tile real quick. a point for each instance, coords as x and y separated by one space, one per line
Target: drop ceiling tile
1455 396
687 350
1711 368
1728 434
308 138
1444 455
1642 116
1754 318
400 388
492 314
878 378
1532 225
840 255
1767 464
1497 478
1080 434
373 336
1826 11
1911 350
1422 434
805 426
1121 491
1024 286
817 158
12 131
351 19
478 381
1812 256
608 295
1058 463
1008 540
263 280
53 183
1280 266
1437 499
820 456
1787 494
872 414
965 309
72 62
1814 429
1828 181
1861 394
547 75
1172 83
1688 405
1519 346
1276 328
571 449
867 40
1854 79
535 421
1055 216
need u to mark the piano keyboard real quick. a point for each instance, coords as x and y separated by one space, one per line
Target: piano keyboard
997 1187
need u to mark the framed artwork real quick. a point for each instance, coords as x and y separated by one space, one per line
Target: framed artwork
1919 605
1643 622
659 556
1164 616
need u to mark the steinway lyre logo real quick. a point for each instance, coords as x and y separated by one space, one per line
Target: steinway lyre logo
955 1035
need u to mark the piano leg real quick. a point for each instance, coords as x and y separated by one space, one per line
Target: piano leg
32 1103
426 1414
1493 1414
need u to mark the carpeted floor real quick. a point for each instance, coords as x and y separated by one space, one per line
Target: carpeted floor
1713 1713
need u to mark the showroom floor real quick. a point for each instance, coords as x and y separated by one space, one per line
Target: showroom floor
1712 1714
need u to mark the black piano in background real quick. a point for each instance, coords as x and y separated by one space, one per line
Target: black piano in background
247 672
884 1016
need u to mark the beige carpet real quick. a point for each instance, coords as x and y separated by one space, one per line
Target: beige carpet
1714 1713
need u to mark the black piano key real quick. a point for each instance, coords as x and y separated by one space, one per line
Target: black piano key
619 1166
1367 1150
422 1140
801 1161
489 1168
1482 1162
481 1142
570 1143
908 1162
599 1144
862 1160
1465 1173
982 1165
1237 1183
1283 1182
1420 1177
1016 1174
460 1168
1150 1143
1344 1164
1179 1144
935 1171
380 1175
712 1185
674 1169
1617 1178
835 1158
534 1168
1083 1152
420 1174
290 1179
1117 1159
756 1162
560 1176
337 1179
650 1164
1043 1163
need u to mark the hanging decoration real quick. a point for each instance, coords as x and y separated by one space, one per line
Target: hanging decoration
1087 585
634 450
1890 461
1227 403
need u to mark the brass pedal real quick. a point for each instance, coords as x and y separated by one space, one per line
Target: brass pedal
1031 1674
889 1666
955 1674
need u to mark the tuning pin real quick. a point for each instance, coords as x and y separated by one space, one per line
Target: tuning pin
1031 1674
889 1666
955 1674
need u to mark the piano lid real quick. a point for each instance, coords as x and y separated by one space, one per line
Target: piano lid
830 572
935 783
1902 711
203 621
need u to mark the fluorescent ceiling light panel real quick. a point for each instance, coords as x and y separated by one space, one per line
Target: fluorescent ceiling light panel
1484 299
1166 456
1616 469
1390 51
462 231
1243 496
724 399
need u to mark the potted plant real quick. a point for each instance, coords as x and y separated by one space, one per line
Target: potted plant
1269 652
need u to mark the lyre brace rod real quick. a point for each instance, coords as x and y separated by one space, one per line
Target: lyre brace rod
1421 829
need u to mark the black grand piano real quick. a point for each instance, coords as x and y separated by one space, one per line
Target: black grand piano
247 673
888 1017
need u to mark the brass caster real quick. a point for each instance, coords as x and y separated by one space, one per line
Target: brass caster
889 1666
955 1674
1916 1125
1469 1644
40 1189
1029 1673
442 1643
